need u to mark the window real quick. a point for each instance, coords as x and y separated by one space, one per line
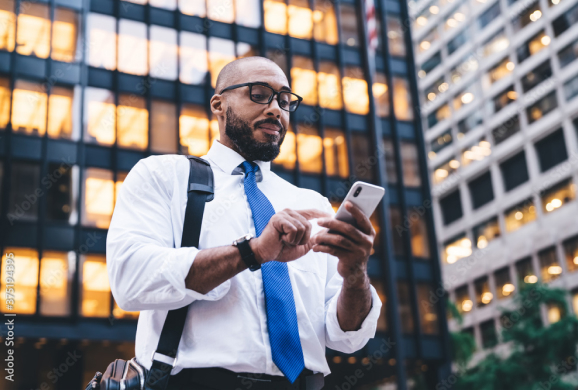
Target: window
221 52
56 283
335 147
514 171
405 313
499 71
458 40
427 41
463 301
558 195
349 27
440 142
193 7
529 15
504 285
456 17
568 54
99 197
309 147
442 113
489 335
221 10
64 34
536 76
8 20
555 312
395 35
410 165
467 66
506 130
300 19
361 150
444 170
502 99
525 271
551 150
355 91
194 130
24 182
481 190
60 195
132 47
457 248
418 234
380 290
329 81
402 102
571 88
451 207
486 231
304 80
325 22
422 19
483 294
5 97
33 30
390 164
380 95
519 215
287 156
193 57
495 44
565 21
438 86
164 127
532 46
132 122
25 279
466 96
163 52
430 64
427 309
63 112
571 253
275 16
470 122
278 57
549 267
397 230
489 15
95 297
248 13
29 105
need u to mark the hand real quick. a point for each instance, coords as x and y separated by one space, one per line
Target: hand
286 237
349 244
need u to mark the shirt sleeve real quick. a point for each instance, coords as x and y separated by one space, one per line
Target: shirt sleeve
335 337
145 269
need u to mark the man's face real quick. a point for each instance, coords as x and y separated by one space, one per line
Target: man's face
256 130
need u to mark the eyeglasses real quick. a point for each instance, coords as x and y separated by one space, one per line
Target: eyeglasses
264 94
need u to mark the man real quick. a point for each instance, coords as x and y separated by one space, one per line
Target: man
309 288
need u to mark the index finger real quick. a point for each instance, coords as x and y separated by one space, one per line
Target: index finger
362 220
313 213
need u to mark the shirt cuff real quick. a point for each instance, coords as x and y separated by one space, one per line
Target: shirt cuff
176 269
357 338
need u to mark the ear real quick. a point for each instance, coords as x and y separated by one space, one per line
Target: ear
217 106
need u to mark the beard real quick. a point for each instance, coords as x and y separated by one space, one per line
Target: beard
242 136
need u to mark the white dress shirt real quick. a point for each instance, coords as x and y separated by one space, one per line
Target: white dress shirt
227 327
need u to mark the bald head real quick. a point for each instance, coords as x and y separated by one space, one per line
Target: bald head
236 72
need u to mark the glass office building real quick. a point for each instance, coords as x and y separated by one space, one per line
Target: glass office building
88 88
498 82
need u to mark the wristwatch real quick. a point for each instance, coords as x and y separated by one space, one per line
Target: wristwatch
246 253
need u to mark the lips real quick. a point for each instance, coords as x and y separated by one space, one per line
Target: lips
269 128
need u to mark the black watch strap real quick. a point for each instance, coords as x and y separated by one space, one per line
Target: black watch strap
247 254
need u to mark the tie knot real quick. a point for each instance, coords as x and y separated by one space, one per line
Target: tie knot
249 166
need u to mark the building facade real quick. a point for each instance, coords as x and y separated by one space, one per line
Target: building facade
88 88
498 82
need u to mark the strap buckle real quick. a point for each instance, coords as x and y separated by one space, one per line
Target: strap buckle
159 357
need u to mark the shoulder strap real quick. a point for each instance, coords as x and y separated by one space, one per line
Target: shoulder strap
199 191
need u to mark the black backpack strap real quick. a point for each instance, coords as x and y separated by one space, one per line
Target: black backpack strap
200 190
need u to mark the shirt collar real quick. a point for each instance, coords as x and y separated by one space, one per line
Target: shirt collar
229 160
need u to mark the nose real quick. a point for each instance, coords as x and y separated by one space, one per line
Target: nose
273 109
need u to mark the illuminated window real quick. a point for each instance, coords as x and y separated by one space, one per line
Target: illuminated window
99 197
410 165
64 35
95 288
163 52
363 160
193 7
349 27
194 130
275 16
439 143
555 312
495 44
33 30
21 270
5 96
483 294
525 271
117 312
456 249
486 231
476 152
379 288
463 301
466 96
329 86
422 19
132 122
335 147
376 223
571 253
427 309
132 47
558 195
309 149
355 91
439 86
427 41
194 61
520 215
7 25
304 80
504 285
501 70
163 127
405 312
502 99
246 50
532 46
221 10
29 104
456 17
248 13
467 66
542 107
100 116
489 335
325 22
63 112
61 195
397 229
166 4
402 101
221 52
300 19
395 35
550 268
23 183
102 41
381 95
440 114
529 15
470 122
444 170
418 234
56 283
390 164
287 156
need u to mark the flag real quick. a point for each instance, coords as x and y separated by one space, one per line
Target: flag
371 25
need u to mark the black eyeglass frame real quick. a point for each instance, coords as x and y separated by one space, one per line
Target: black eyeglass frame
275 93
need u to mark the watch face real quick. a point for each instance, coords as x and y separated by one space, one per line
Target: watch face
243 238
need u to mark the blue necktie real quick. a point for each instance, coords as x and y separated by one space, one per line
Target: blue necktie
281 314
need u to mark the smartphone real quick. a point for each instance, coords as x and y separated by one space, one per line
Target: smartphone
363 195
